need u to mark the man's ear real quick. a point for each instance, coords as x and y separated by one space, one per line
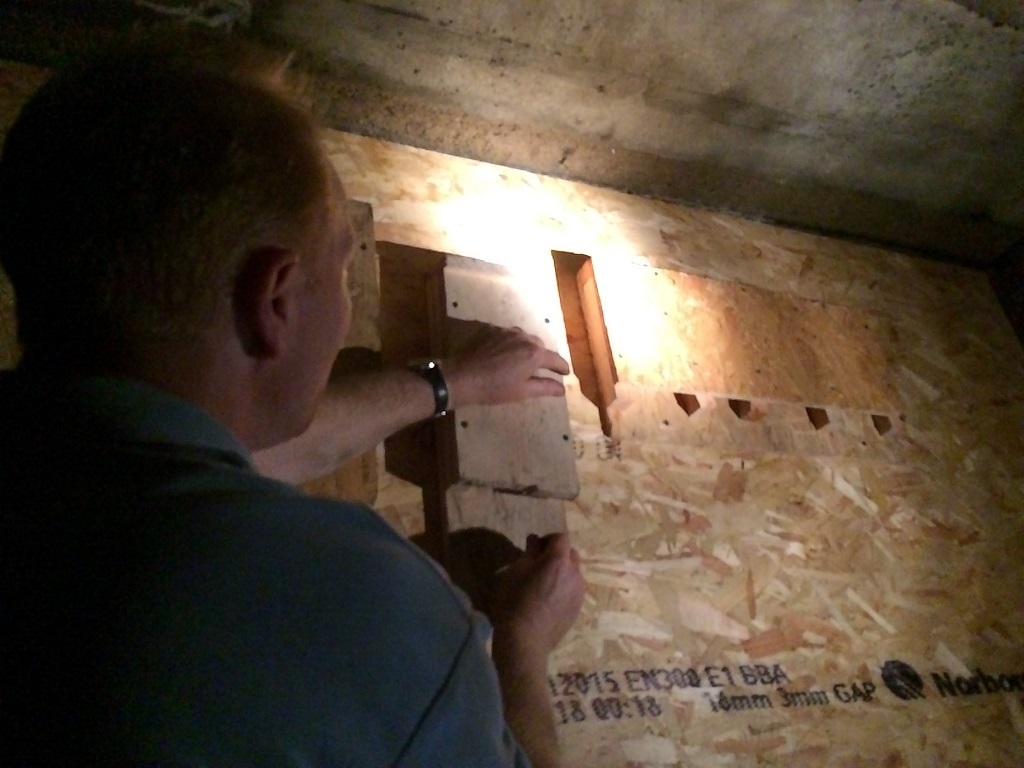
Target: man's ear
264 300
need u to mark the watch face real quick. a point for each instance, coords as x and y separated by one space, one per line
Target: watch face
431 371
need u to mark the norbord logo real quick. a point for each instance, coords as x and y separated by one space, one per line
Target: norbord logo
977 683
905 683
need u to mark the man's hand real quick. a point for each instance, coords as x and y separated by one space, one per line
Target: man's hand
538 597
502 365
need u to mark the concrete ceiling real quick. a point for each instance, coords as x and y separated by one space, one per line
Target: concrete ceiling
894 121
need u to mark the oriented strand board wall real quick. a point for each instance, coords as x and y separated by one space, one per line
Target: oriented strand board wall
713 545
685 333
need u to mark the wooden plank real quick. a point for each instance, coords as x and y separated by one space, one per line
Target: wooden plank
651 522
511 515
819 570
519 447
357 479
405 311
567 267
364 280
597 338
692 334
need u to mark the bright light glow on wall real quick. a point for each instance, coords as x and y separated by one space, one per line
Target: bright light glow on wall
516 219
509 217
634 318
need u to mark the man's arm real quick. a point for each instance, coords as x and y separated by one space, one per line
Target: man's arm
359 411
538 598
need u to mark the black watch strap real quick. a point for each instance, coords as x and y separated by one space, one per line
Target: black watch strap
431 371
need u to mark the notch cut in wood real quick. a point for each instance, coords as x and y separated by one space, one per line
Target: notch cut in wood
818 417
688 402
676 331
589 348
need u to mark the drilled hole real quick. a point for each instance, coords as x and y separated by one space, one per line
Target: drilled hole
687 402
818 417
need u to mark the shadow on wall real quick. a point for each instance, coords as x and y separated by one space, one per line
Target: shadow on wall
1007 278
9 351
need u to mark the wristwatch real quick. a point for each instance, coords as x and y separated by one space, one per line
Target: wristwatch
431 371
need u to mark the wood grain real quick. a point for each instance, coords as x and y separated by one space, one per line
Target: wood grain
524 447
677 331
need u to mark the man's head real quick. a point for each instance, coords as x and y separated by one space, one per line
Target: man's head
141 192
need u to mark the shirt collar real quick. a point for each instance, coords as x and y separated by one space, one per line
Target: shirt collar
126 410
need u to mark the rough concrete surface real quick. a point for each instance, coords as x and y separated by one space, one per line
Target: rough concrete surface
898 122
917 101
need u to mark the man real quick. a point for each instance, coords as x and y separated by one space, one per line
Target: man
178 248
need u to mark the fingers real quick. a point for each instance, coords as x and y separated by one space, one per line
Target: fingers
553 545
552 361
556 544
541 594
542 386
505 365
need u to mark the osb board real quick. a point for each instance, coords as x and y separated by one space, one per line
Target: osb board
685 333
355 480
702 565
520 447
959 374
399 502
512 515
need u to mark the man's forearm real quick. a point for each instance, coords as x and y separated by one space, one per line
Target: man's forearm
356 414
359 411
522 672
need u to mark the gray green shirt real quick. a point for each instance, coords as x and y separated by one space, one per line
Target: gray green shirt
161 603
